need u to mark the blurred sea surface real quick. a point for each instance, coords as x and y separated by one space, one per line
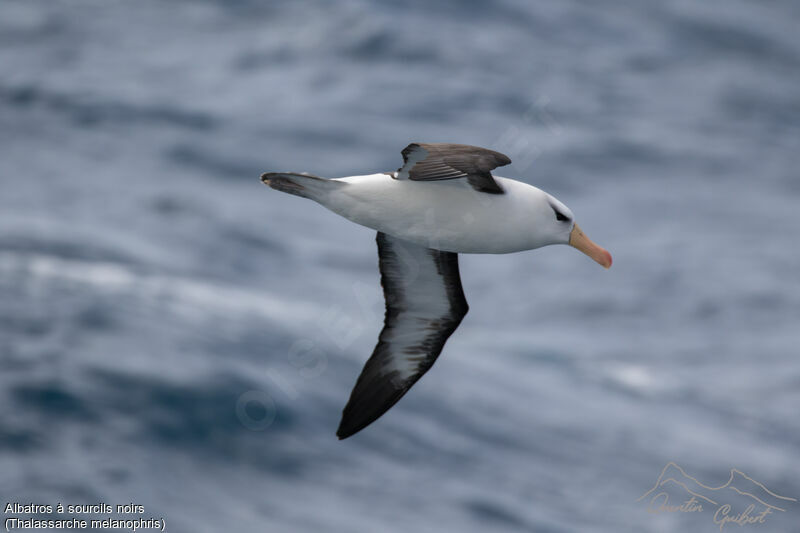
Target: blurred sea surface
176 335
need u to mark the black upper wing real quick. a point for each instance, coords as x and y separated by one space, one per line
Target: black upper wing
445 161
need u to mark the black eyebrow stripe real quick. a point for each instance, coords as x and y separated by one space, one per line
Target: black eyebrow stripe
559 215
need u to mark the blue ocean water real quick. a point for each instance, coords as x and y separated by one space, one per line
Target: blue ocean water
175 335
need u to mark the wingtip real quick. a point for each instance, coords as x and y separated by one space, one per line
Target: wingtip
350 425
343 433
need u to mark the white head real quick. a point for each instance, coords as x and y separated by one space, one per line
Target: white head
555 224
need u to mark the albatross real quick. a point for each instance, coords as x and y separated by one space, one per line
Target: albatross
443 201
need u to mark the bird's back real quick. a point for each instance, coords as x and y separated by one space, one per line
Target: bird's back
445 215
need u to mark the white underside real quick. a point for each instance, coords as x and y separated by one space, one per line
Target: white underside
447 215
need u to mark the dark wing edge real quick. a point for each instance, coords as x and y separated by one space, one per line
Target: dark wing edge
446 161
425 303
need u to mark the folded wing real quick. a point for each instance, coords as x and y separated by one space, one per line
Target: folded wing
424 305
445 161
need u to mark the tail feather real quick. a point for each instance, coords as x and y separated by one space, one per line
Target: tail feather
303 185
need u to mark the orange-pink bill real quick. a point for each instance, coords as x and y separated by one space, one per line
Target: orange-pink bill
580 241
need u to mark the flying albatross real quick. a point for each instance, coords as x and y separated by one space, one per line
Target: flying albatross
443 201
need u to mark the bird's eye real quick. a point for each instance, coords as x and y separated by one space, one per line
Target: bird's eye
561 217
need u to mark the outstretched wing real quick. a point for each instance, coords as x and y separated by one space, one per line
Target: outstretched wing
444 161
424 305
